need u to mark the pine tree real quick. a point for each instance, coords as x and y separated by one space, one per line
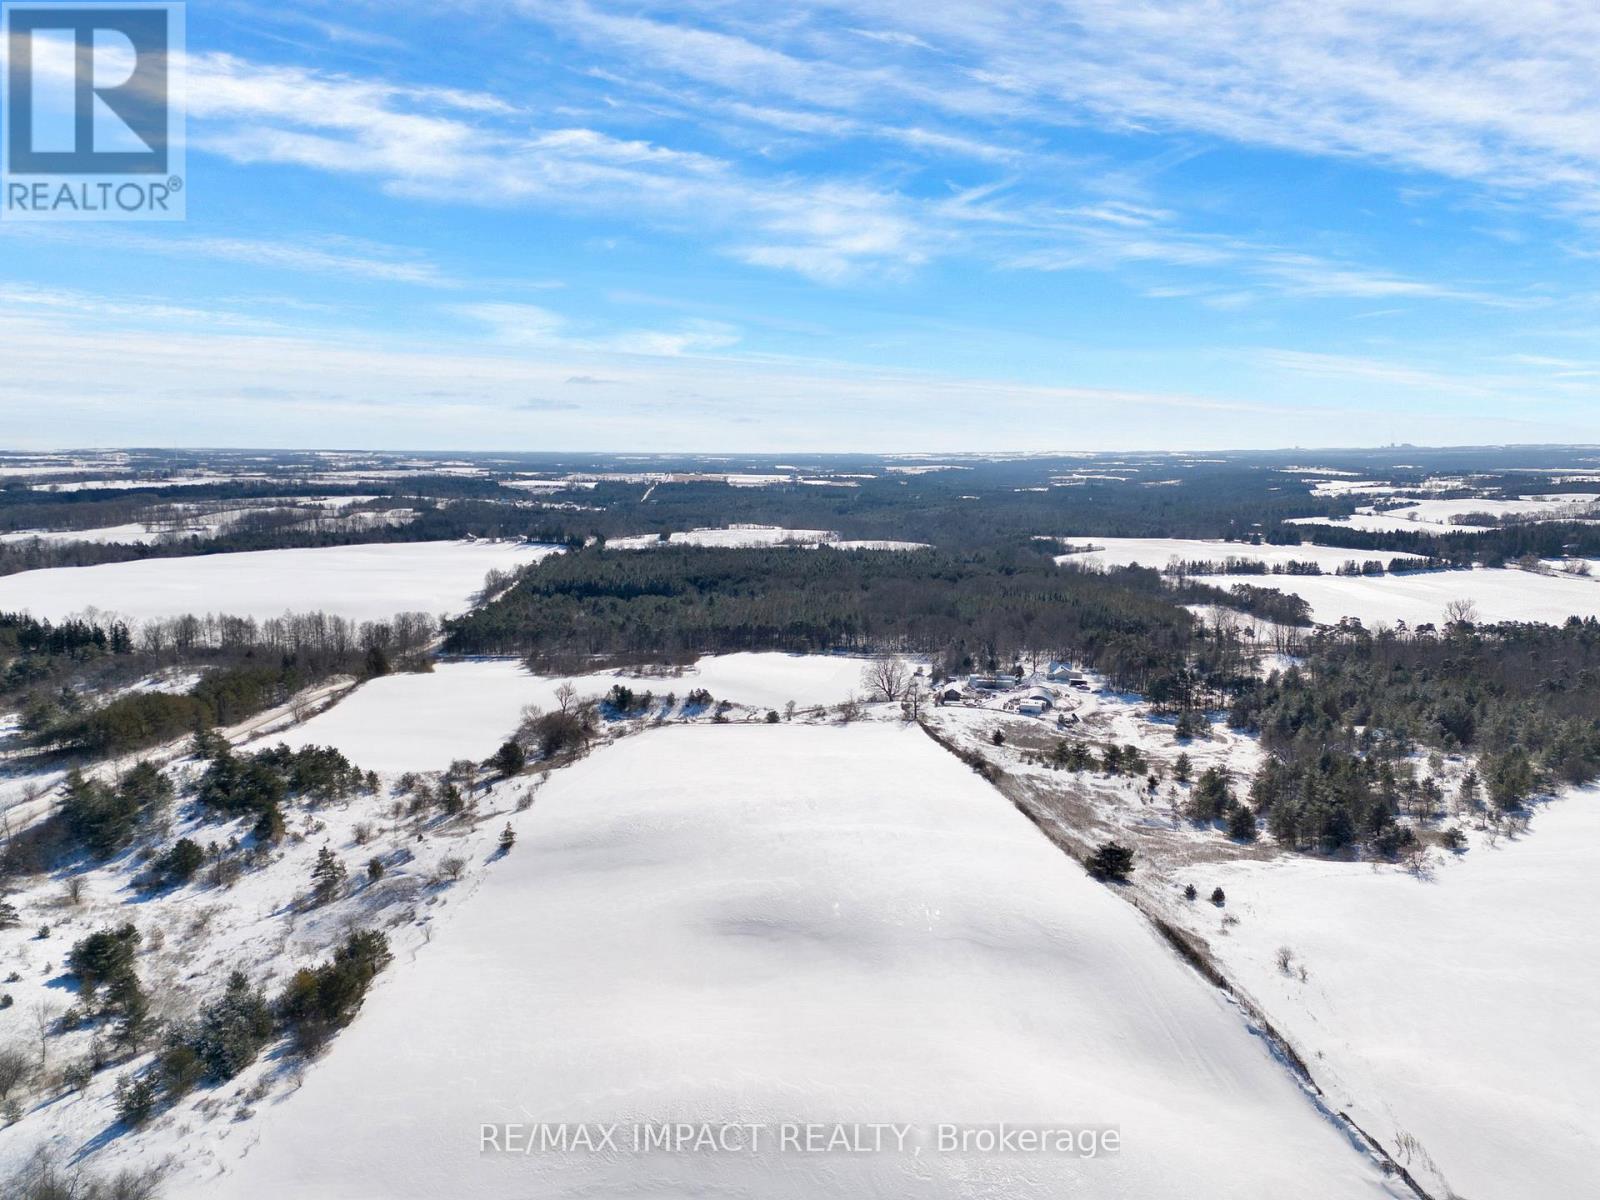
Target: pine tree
510 759
1211 798
136 1099
327 877
508 838
8 915
1183 769
1111 861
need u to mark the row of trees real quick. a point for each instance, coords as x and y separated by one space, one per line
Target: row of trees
248 666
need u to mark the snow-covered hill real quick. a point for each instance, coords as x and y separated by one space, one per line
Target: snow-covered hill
790 924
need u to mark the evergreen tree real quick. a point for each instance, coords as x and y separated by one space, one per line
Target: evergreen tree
509 759
128 1000
103 957
327 876
136 1099
1111 860
508 838
232 1029
1211 797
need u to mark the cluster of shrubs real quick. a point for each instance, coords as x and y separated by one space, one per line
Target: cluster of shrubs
41 1177
1212 799
103 817
141 719
557 734
445 794
239 785
1071 755
625 702
108 985
229 1032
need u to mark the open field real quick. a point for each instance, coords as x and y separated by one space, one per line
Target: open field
466 709
359 582
1449 516
1385 523
1158 552
756 535
1500 595
1455 1008
794 924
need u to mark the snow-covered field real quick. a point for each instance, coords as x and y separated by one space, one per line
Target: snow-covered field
466 709
101 485
744 536
878 545
1384 523
369 582
201 521
1447 512
1325 488
772 680
131 534
1456 1009
1158 552
1500 595
793 924
736 535
1445 516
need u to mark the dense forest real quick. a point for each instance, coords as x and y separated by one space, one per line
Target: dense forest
978 610
1340 726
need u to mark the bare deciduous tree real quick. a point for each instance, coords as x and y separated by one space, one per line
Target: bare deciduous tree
912 704
565 695
16 1067
885 677
45 1016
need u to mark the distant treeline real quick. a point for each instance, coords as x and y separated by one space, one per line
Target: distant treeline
981 505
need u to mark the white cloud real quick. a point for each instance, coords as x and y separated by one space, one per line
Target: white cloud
431 143
529 325
644 390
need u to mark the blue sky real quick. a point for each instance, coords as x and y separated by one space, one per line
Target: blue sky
860 225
